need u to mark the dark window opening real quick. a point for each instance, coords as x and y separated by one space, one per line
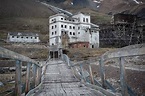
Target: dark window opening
73 33
86 19
73 27
78 28
65 26
70 27
70 33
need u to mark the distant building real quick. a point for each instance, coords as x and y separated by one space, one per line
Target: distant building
78 29
23 37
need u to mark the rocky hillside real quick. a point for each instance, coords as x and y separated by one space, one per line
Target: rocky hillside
103 6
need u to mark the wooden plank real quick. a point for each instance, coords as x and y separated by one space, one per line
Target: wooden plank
124 53
34 75
102 73
18 88
28 78
5 53
123 78
91 74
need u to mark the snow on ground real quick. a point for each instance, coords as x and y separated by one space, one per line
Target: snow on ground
136 1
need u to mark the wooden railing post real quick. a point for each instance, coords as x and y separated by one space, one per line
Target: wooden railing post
34 74
82 73
28 78
91 74
38 77
18 88
122 77
102 73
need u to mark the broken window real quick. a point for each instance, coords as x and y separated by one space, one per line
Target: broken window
70 27
74 33
73 27
65 26
61 26
86 19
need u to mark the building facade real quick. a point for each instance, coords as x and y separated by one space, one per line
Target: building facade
78 28
19 37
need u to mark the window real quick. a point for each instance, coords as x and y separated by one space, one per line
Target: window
55 32
12 36
86 19
73 27
78 32
74 33
65 26
21 36
27 37
78 28
35 37
73 20
70 27
61 32
70 33
52 27
52 33
61 18
84 46
52 44
83 19
31 37
55 26
65 32
61 26
17 36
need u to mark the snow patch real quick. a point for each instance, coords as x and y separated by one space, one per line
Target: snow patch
136 1
72 3
98 6
96 1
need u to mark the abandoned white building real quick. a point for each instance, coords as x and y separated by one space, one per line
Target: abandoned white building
79 29
25 37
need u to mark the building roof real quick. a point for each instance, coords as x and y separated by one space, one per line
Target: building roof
23 34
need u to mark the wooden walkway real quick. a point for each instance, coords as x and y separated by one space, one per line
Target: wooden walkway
60 81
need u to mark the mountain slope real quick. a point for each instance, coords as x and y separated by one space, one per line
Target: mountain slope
23 8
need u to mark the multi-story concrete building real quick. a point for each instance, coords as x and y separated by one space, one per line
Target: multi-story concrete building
78 28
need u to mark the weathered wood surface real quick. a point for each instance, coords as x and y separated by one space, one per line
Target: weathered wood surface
60 81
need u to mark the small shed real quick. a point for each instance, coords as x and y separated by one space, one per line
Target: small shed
20 37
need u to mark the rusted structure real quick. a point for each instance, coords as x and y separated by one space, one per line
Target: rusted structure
125 30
